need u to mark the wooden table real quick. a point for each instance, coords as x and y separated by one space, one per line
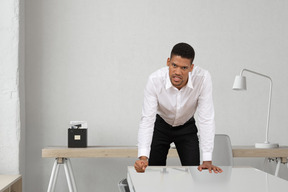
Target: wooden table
251 151
62 155
9 183
131 151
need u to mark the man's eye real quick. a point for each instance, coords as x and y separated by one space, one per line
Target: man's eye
174 65
184 68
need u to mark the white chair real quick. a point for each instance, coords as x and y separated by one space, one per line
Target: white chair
222 153
222 156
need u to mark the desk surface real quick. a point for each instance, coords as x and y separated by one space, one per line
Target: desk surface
251 151
171 179
8 180
95 151
131 151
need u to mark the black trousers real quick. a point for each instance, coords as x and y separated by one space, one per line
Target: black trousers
184 137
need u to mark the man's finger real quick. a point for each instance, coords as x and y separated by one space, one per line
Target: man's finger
139 169
219 170
136 166
210 170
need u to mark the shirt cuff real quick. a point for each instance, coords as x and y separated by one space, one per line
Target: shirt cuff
207 156
143 152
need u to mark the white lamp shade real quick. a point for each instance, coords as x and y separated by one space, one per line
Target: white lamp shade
239 83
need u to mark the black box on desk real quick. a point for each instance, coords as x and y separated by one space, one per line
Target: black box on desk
77 138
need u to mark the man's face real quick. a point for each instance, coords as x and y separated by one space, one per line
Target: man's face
179 69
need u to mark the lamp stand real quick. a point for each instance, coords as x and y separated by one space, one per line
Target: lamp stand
266 145
242 85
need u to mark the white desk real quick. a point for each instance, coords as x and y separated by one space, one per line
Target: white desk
187 179
63 154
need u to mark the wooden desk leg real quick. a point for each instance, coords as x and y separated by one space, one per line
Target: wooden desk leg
69 175
277 167
68 171
279 161
53 176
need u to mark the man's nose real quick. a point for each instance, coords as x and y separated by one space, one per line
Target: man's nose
178 71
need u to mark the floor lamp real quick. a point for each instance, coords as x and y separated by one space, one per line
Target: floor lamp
240 84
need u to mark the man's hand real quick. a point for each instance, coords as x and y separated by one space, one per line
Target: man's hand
208 165
141 164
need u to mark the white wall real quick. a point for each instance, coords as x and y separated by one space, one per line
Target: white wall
89 60
9 88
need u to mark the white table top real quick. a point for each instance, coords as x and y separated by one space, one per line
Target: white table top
182 179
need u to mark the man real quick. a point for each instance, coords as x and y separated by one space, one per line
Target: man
171 98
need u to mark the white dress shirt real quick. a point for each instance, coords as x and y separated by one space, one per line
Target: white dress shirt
176 107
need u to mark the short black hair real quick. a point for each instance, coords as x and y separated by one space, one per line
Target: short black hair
183 50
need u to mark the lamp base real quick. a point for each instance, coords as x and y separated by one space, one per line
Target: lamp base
266 145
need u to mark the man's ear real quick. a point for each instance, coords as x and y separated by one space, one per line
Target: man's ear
168 61
191 68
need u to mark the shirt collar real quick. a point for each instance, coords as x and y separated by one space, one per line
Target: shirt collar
168 81
169 84
189 83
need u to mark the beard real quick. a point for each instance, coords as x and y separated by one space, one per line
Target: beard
176 80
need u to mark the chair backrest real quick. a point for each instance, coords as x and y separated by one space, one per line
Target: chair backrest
222 153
